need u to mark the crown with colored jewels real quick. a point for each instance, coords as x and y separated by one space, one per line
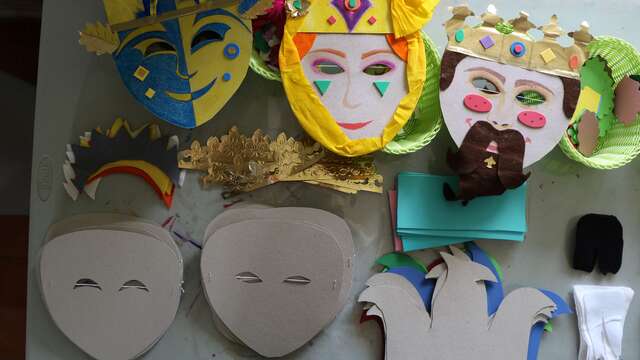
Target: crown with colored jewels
509 42
399 17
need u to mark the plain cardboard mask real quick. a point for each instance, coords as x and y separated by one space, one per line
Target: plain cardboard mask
264 279
113 293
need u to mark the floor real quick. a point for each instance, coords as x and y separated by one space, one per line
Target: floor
19 34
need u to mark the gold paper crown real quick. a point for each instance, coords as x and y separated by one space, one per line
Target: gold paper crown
243 164
510 43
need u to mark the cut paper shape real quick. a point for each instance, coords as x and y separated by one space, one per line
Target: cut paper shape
588 133
351 120
393 205
458 327
427 220
381 86
395 260
599 238
601 312
143 152
531 84
201 41
111 283
322 86
597 78
548 55
299 294
489 162
243 164
487 42
501 109
627 105
417 278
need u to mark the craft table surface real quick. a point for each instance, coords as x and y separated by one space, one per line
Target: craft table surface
78 91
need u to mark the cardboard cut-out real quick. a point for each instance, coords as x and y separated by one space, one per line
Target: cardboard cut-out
269 257
460 325
113 288
143 152
182 60
627 105
246 163
498 74
354 71
328 221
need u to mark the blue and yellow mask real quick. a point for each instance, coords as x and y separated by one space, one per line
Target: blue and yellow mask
182 59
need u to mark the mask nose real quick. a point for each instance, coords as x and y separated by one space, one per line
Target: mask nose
350 99
181 69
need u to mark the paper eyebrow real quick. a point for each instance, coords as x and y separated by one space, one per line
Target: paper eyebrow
330 51
375 52
492 72
86 283
533 83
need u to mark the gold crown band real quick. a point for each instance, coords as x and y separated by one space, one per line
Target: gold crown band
509 42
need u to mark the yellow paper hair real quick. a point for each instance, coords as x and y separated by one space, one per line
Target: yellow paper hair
314 116
408 16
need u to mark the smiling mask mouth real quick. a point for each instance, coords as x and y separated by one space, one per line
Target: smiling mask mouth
186 97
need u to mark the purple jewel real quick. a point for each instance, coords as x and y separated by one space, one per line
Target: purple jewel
351 17
487 42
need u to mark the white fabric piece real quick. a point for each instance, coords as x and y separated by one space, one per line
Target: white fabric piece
601 312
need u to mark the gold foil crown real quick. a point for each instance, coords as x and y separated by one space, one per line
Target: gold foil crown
246 163
510 42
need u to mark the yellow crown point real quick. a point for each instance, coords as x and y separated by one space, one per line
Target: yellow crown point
552 30
512 45
458 20
490 18
583 36
522 23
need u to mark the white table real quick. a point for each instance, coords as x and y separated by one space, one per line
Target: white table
78 91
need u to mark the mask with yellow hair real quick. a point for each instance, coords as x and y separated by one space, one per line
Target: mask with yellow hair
354 70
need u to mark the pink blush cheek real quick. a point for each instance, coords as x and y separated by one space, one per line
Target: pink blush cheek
477 103
532 119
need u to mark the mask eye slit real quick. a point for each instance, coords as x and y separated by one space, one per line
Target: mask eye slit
158 47
86 283
134 284
248 277
485 85
298 280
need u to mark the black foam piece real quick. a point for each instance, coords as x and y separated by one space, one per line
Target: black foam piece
598 237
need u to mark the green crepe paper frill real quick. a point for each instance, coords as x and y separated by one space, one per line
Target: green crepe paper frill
260 67
426 120
621 144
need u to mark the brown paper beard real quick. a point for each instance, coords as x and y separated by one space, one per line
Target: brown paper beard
482 172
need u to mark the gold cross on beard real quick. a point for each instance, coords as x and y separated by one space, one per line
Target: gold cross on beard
490 162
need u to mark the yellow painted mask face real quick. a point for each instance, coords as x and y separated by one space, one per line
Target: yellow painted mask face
351 80
185 69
